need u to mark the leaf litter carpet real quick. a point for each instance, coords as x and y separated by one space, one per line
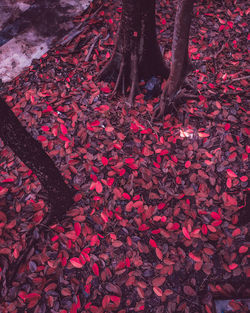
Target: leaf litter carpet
155 226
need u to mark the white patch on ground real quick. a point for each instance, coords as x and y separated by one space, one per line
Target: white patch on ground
23 6
19 52
81 4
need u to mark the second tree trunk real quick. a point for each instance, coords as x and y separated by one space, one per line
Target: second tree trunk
180 64
137 53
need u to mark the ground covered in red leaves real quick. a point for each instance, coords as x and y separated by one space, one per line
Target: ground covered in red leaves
155 223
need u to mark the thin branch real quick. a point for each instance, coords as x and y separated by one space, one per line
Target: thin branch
91 48
240 78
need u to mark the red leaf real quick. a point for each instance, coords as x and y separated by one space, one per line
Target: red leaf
109 129
236 232
194 257
22 295
118 146
174 158
103 108
215 215
163 21
168 292
228 200
187 164
158 253
227 126
95 123
129 160
146 151
157 291
152 243
185 232
64 138
216 223
104 217
106 89
204 229
63 129
203 135
45 128
8 98
233 266
229 182
110 181
143 227
115 299
126 196
105 301
54 238
122 172
105 161
178 180
231 173
244 178
32 295
243 249
77 197
41 138
176 226
76 262
98 187
7 180
156 165
95 269
77 227
161 206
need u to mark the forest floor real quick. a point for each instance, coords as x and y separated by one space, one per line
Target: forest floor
155 226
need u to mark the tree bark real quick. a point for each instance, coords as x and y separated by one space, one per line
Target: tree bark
136 54
32 154
180 64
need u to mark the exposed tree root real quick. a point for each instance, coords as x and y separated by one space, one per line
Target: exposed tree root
136 54
120 77
134 77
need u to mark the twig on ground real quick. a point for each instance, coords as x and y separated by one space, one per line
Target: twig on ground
219 52
240 78
91 48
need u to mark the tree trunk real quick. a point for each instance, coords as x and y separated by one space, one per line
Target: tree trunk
32 154
136 54
180 64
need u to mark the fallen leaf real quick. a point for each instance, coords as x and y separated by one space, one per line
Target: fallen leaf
158 281
157 291
186 233
95 269
76 262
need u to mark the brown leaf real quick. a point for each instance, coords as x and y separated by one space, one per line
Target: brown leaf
117 243
189 291
113 289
